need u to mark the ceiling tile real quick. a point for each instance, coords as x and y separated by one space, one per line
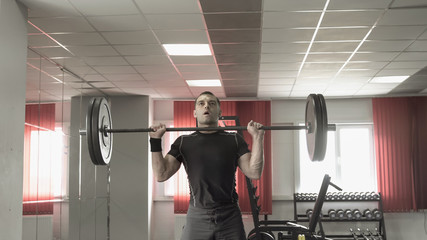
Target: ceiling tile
374 56
62 24
275 88
105 61
283 47
155 68
137 37
175 21
168 6
334 34
198 68
278 81
237 58
94 78
290 19
140 49
50 8
114 69
239 75
148 60
412 56
79 39
397 72
282 94
293 5
413 16
236 48
278 74
333 46
350 18
53 52
103 84
327 57
406 64
233 20
233 6
359 4
93 51
366 65
218 91
279 66
119 23
286 35
200 75
40 40
150 77
239 68
396 32
192 59
131 84
232 36
278 58
408 3
182 36
353 73
105 7
418 46
384 46
124 77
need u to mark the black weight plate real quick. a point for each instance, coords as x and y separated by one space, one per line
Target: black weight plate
89 130
105 140
100 145
323 139
263 235
313 122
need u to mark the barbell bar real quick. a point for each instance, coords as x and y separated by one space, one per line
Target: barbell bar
99 130
106 130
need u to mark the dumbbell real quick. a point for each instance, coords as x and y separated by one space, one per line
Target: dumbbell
332 214
357 214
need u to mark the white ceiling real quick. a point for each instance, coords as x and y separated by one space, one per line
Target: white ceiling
262 49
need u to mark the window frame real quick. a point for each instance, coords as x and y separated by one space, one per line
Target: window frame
338 164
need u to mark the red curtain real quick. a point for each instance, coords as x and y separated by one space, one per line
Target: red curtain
259 111
37 178
400 144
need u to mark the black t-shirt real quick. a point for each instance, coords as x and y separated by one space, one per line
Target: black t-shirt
210 161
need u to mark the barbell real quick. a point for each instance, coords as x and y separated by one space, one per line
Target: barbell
99 130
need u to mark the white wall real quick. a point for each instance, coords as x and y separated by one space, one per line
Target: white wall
398 225
13 52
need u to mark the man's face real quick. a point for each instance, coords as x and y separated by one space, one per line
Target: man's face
207 111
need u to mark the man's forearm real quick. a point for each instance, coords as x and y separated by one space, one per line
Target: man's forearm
159 166
256 163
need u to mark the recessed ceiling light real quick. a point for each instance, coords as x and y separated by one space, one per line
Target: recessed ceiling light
188 49
204 83
389 79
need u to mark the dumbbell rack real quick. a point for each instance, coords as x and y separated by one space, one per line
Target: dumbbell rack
342 198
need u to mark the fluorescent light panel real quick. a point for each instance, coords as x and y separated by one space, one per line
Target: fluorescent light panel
204 83
389 79
188 49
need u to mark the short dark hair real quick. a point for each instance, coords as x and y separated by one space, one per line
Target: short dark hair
207 93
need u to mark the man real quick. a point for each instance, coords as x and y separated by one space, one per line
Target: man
210 159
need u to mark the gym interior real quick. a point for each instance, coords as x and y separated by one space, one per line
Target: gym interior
57 55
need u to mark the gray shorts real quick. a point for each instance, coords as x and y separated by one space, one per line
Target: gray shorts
220 223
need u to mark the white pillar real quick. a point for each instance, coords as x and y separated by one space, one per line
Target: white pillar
13 53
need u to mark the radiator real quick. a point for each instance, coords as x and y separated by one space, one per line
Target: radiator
179 225
37 228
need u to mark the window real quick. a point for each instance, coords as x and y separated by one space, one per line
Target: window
349 160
